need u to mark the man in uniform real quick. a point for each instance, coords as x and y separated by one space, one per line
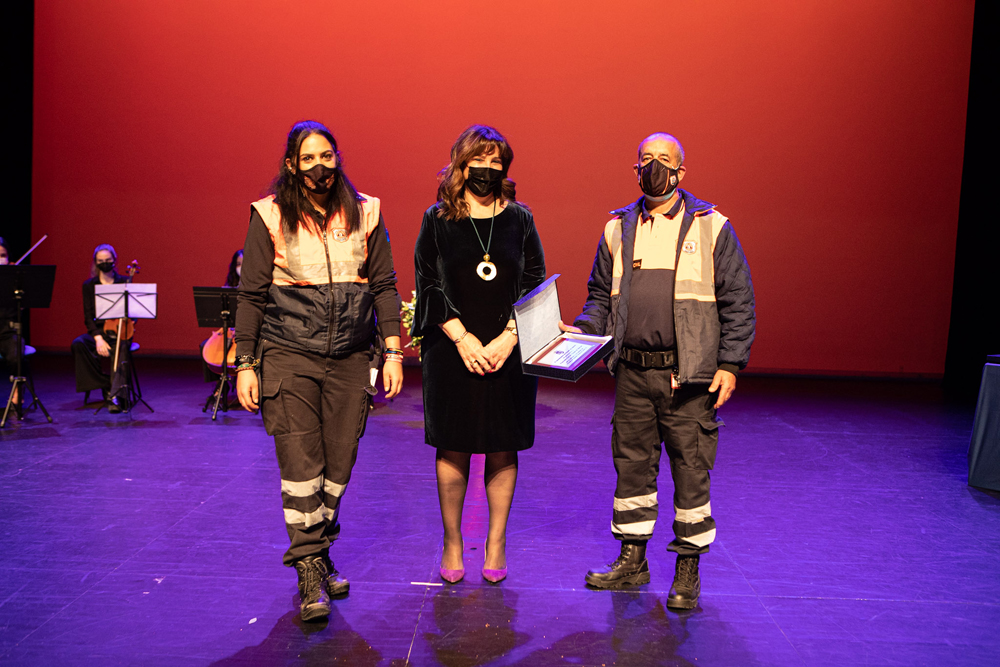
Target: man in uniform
670 283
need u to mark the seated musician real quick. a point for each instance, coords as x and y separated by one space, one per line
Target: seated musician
232 280
88 348
235 265
8 338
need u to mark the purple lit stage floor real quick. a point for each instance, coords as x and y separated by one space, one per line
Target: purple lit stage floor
847 535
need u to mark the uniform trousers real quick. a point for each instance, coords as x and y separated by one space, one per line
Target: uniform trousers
316 407
647 414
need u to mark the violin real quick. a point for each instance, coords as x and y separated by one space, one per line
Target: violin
122 328
211 351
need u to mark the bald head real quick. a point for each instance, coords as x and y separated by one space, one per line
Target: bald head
659 143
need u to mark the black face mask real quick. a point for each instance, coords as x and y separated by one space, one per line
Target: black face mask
484 181
106 267
318 174
657 180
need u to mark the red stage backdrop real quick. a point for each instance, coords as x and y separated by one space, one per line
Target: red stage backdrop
830 133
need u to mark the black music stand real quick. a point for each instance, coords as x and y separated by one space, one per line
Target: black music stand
136 301
216 307
24 287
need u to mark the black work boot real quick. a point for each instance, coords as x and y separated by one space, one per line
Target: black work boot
630 568
686 588
314 602
336 585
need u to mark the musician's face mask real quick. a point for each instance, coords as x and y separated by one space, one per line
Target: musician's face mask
105 267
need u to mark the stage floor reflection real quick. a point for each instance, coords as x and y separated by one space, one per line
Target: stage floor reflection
847 535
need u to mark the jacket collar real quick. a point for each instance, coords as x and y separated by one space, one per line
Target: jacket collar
692 205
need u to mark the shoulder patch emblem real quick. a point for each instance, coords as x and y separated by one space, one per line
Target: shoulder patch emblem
690 247
340 235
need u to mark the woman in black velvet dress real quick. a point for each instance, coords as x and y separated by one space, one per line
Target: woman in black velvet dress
477 253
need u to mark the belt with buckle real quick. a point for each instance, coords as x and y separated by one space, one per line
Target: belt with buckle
643 359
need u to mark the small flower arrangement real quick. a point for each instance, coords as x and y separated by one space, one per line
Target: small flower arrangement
406 312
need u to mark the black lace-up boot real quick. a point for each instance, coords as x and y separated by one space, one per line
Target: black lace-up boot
630 568
336 585
686 588
314 602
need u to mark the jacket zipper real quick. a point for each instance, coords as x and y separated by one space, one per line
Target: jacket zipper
329 275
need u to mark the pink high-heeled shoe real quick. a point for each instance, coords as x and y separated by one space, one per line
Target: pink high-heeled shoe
453 576
492 576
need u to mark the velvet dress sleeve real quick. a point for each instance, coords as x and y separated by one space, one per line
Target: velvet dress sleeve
382 280
255 281
534 258
433 306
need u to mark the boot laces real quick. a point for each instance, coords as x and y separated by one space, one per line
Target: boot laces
312 578
687 571
623 557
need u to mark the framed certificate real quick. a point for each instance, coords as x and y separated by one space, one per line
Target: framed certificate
545 350
567 351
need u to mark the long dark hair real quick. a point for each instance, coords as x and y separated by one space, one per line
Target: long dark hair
476 140
233 278
288 190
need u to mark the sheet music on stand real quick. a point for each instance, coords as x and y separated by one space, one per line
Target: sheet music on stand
136 301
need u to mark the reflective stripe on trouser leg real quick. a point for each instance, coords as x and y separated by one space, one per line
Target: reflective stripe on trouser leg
635 445
306 510
307 504
691 440
635 517
344 413
315 458
694 527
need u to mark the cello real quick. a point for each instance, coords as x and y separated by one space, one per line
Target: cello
211 352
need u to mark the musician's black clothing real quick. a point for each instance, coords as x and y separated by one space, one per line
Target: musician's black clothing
89 375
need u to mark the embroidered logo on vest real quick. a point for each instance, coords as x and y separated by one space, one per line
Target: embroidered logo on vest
636 263
340 235
690 247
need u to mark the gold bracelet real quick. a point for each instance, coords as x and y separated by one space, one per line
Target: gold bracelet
459 339
513 330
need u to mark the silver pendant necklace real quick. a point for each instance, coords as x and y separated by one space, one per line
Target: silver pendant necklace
486 270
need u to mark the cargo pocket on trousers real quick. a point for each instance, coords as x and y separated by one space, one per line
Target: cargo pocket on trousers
366 408
708 442
272 408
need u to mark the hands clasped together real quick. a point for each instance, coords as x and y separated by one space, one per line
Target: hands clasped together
489 359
